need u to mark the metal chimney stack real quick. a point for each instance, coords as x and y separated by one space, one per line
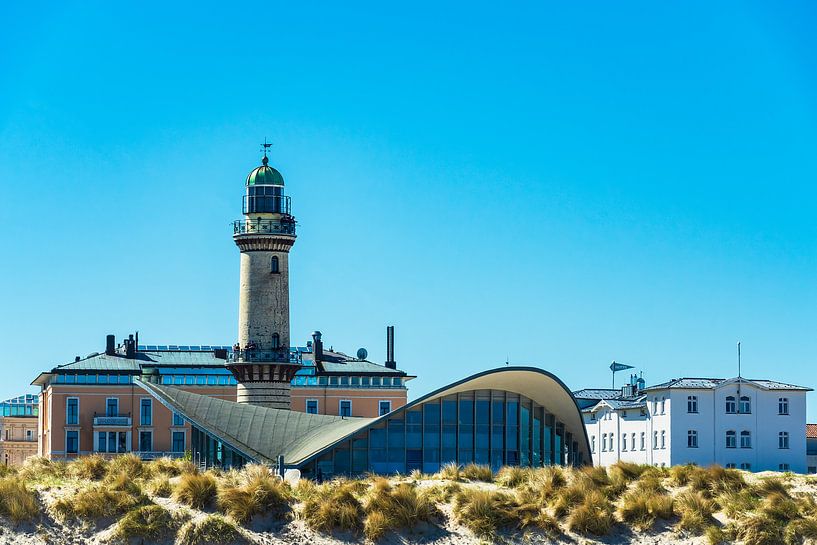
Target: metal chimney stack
390 363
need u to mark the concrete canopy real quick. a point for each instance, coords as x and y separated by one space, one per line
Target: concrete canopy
263 433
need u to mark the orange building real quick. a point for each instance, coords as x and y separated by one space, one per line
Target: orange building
92 405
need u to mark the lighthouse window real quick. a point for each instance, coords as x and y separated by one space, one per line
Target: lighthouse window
274 265
276 340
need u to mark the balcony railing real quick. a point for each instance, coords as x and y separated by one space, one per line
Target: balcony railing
112 420
152 455
255 355
263 226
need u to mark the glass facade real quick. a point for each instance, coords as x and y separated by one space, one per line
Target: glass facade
209 452
490 427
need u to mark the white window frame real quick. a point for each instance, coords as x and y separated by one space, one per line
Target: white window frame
783 406
633 443
692 439
692 404
784 467
139 439
184 442
340 407
317 406
604 442
379 413
748 401
734 402
663 439
593 444
734 435
117 405
67 399
643 440
783 440
79 449
747 434
746 466
150 401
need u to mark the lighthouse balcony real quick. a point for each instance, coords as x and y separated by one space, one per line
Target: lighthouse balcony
280 355
283 226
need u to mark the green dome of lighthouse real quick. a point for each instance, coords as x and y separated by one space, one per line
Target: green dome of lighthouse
265 175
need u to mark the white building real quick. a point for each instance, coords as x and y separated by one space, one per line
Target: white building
756 425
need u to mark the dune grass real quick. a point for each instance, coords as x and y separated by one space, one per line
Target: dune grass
390 507
130 464
259 493
477 472
484 512
99 500
145 522
641 508
593 516
695 510
211 529
335 506
195 489
17 502
93 467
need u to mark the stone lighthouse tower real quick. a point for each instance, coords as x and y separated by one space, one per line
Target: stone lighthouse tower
261 363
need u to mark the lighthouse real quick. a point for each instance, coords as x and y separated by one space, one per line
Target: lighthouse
261 361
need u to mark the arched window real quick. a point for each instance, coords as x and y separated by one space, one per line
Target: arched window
276 341
731 439
731 407
273 266
745 439
745 405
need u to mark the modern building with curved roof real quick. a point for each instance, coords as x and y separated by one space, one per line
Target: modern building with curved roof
506 416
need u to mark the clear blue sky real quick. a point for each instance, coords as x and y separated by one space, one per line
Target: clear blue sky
556 184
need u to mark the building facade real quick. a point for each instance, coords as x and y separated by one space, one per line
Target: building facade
18 429
755 425
811 448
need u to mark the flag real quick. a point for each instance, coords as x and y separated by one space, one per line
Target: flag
619 367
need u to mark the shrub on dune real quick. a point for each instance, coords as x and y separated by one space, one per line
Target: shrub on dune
772 485
146 522
760 529
627 470
173 467
450 472
212 529
97 501
159 486
38 468
801 530
195 490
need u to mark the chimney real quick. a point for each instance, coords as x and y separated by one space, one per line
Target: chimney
110 345
317 347
76 358
130 348
390 363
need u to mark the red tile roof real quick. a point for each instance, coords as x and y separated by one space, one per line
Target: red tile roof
811 431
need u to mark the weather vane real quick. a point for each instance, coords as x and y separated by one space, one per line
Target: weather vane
265 146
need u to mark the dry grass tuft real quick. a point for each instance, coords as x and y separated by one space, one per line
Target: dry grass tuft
16 501
130 464
442 493
772 485
681 475
146 522
195 490
780 507
97 501
261 493
476 472
760 529
626 471
92 467
39 469
695 510
173 467
484 511
715 535
735 504
334 506
641 508
512 476
450 472
593 516
212 529
801 530
159 486
401 506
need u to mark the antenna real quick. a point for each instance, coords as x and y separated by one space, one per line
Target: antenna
738 359
265 146
738 407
